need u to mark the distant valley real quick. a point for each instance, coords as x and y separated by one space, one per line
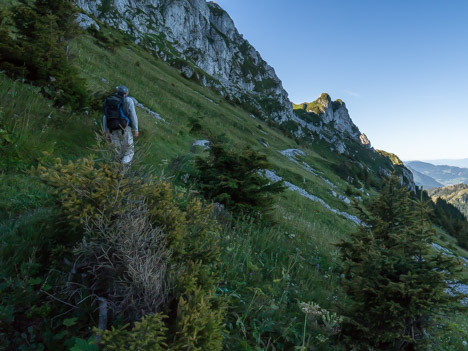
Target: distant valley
431 176
442 182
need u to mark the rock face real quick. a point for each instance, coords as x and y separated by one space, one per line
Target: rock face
364 140
332 122
201 40
200 33
342 121
86 22
408 179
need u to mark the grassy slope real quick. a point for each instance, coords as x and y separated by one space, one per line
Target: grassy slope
161 88
307 230
456 195
266 270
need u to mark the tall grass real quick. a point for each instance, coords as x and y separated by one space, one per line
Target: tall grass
31 126
268 270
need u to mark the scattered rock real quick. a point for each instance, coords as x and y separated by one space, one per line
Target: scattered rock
263 142
85 22
149 111
203 143
273 177
292 153
340 147
187 71
344 199
206 98
309 169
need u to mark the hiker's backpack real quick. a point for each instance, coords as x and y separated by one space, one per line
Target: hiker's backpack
115 116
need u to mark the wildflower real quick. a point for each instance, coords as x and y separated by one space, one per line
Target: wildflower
313 310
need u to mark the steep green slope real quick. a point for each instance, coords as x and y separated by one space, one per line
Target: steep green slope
456 195
267 269
162 89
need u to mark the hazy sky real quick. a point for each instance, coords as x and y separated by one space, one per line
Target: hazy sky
401 66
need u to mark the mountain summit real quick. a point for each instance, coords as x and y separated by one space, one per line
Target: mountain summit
328 118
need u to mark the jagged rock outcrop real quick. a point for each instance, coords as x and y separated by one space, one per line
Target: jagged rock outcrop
342 121
407 179
365 141
332 122
203 34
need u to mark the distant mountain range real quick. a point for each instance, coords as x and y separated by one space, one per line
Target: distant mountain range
424 180
432 176
449 183
462 163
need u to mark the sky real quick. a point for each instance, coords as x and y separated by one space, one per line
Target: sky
401 66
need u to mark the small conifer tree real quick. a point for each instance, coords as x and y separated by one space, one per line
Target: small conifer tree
34 45
234 179
396 280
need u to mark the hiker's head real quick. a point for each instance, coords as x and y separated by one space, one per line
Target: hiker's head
122 90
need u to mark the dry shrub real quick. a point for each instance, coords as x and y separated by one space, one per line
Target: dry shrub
144 249
126 261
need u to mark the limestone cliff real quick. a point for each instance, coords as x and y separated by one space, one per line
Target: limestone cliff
201 40
199 34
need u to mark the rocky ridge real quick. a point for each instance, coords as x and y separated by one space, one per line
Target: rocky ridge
201 40
202 33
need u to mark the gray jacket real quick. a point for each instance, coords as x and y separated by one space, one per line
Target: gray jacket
129 110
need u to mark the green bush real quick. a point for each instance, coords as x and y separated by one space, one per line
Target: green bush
32 275
34 46
149 334
145 249
397 283
233 178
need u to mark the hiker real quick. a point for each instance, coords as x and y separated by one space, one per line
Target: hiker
119 120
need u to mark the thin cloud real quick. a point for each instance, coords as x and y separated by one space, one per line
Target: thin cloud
352 93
